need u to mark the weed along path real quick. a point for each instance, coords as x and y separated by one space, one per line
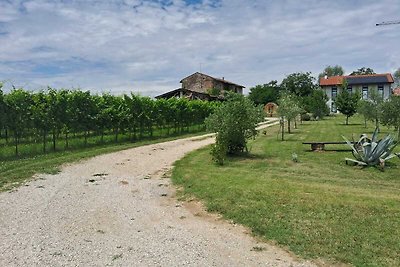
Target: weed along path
119 209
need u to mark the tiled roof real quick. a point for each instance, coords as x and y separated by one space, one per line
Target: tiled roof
217 79
334 80
357 79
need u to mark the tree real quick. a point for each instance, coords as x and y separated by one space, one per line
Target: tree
19 106
288 109
396 77
371 108
390 115
347 102
364 108
363 71
41 116
265 93
3 111
234 122
316 104
300 84
330 71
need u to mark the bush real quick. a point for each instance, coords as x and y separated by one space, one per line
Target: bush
234 122
305 117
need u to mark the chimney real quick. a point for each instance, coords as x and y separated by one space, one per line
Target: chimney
326 77
223 78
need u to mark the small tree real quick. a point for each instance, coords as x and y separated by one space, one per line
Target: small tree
364 108
390 115
234 122
347 102
316 104
374 106
288 110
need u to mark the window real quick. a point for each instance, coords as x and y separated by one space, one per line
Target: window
350 89
365 92
334 93
380 90
333 97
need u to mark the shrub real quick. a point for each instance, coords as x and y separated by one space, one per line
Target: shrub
305 117
373 152
234 122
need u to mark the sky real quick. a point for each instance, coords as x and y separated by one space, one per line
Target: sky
148 46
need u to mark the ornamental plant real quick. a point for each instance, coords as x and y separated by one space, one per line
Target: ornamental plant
372 152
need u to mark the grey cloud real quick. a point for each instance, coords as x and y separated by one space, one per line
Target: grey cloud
148 47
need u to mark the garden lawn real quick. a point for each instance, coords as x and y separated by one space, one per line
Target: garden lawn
319 208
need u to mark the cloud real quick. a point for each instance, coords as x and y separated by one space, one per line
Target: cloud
148 46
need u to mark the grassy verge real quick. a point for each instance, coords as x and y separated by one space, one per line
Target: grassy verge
319 208
14 172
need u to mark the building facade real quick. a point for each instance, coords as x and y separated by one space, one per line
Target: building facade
204 83
363 84
203 87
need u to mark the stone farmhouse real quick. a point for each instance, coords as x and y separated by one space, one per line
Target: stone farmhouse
204 87
364 84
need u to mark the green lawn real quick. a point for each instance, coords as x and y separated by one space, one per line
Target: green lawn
14 171
319 208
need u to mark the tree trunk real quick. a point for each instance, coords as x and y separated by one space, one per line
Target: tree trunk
6 136
66 140
54 140
86 136
102 137
288 126
44 142
16 144
347 120
282 124
116 135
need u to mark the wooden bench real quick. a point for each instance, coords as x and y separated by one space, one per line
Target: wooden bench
320 146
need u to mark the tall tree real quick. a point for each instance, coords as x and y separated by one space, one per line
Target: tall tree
347 102
263 93
396 77
363 71
330 71
300 84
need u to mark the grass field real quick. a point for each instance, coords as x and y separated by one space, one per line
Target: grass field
15 171
319 208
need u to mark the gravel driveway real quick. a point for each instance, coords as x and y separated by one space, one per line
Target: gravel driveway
119 209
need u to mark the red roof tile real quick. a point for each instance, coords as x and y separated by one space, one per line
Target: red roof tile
334 80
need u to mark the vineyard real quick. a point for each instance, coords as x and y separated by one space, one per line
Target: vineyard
33 123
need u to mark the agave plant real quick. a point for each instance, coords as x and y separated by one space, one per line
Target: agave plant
372 152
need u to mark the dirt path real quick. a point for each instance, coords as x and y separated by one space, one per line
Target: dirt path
119 210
